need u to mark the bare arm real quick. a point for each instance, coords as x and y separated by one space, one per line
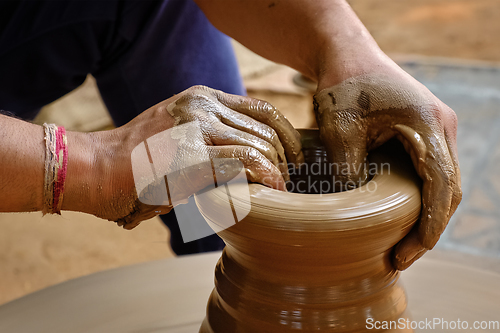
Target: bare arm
22 152
323 39
21 166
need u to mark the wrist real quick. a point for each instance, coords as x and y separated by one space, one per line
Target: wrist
85 172
349 56
99 176
347 49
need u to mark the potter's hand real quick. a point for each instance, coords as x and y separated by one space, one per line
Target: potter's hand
190 138
365 111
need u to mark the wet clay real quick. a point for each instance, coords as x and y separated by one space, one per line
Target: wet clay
307 262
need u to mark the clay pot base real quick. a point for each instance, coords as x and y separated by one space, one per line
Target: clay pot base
307 262
170 296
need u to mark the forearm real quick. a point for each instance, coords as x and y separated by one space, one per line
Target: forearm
99 178
323 39
22 163
22 155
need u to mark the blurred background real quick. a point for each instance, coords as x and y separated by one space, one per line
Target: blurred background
451 46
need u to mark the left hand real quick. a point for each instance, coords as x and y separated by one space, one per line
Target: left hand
181 133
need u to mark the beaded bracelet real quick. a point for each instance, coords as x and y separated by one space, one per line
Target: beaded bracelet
56 164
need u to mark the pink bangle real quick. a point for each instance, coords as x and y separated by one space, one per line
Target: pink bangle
56 164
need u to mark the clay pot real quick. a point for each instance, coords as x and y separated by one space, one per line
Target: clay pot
312 262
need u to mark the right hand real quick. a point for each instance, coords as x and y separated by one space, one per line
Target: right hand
364 111
196 123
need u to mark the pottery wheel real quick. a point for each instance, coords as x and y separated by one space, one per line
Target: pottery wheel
170 295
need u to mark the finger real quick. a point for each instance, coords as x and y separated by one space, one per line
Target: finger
346 150
433 163
408 250
258 168
343 134
225 135
141 212
450 132
265 113
247 124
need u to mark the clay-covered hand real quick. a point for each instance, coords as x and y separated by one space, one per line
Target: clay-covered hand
177 147
363 112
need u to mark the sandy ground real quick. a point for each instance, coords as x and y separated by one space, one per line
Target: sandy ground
37 252
449 28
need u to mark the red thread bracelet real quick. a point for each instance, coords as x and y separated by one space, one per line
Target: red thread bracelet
56 164
61 167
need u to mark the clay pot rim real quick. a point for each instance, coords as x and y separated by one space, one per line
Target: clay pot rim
394 203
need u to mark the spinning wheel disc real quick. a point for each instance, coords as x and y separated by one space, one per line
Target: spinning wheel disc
170 296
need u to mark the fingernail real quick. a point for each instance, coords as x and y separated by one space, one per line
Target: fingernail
411 257
415 255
